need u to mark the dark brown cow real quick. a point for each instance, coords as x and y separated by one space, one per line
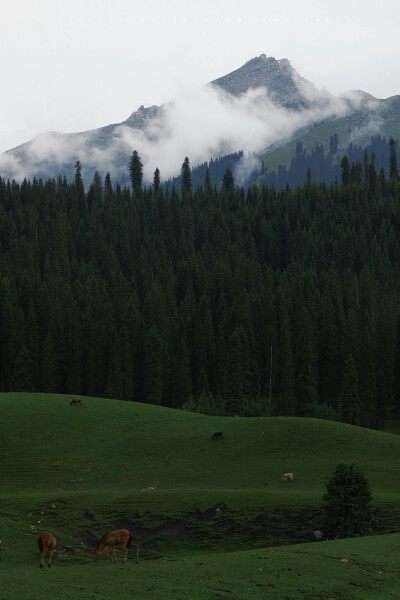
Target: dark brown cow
76 401
218 435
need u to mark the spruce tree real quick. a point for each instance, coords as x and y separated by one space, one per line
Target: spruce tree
78 173
136 172
348 502
372 173
207 183
156 180
393 173
350 404
228 180
186 179
345 170
396 366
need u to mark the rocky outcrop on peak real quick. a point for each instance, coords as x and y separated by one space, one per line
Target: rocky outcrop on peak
140 118
284 85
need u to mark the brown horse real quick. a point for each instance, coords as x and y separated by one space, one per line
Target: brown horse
46 541
111 539
76 401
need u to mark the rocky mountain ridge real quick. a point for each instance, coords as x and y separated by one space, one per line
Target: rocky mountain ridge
108 148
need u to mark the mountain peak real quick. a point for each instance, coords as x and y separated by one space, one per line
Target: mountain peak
284 85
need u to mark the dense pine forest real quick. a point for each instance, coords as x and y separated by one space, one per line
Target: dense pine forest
217 300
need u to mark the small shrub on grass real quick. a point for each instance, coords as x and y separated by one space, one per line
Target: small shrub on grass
348 502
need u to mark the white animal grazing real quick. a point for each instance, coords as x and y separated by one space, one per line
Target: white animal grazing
287 476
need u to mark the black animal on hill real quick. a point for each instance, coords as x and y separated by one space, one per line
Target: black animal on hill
218 435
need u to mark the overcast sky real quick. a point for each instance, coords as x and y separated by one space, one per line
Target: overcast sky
72 65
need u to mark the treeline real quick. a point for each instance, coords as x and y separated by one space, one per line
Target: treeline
324 166
227 302
216 170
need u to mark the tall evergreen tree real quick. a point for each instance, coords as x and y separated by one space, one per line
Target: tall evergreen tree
156 180
136 172
345 166
78 173
350 405
186 178
228 180
393 172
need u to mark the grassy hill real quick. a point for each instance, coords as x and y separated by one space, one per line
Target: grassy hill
356 128
80 470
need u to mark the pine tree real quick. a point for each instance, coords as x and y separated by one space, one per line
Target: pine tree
236 374
372 173
367 385
186 179
136 172
393 173
396 366
333 144
23 377
345 170
350 405
348 502
78 173
305 365
156 180
365 164
108 189
114 385
153 367
207 183
287 402
229 181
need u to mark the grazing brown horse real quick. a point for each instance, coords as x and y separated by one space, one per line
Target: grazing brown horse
76 401
111 539
46 541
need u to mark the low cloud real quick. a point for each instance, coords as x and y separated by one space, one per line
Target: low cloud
201 124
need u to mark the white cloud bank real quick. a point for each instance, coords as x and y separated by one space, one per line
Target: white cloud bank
201 124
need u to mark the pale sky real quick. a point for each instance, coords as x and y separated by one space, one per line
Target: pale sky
72 65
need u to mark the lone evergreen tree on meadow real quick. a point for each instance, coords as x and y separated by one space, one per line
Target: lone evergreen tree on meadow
348 502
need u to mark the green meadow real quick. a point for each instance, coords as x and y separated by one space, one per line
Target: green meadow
212 518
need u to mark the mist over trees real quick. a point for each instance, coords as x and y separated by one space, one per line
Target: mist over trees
223 301
326 166
321 166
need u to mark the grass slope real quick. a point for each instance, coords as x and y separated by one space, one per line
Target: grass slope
356 569
79 470
355 128
116 448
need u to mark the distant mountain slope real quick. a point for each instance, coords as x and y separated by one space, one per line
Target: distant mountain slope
373 118
263 104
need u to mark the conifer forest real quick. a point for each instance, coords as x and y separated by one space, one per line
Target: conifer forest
221 300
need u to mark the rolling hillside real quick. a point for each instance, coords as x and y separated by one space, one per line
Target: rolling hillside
114 447
190 501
